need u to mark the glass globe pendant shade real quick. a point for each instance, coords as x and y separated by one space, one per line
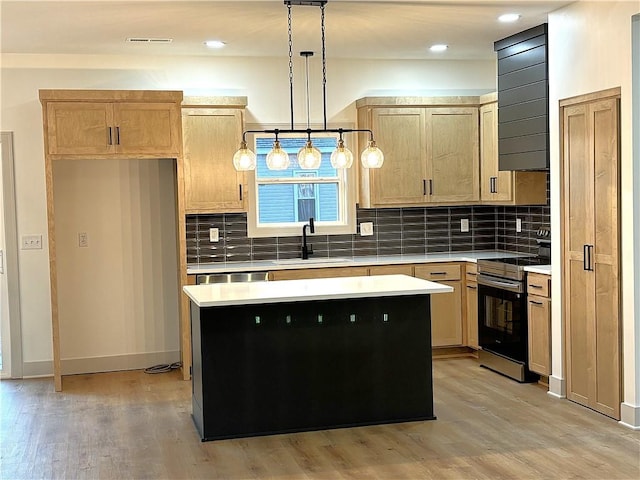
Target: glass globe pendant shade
309 157
277 158
244 159
372 156
341 156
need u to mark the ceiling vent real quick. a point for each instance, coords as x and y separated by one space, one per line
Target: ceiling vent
148 40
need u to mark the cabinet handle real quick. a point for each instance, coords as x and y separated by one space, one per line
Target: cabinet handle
472 288
533 302
494 184
430 186
110 138
424 187
240 191
438 273
117 135
535 286
585 254
590 250
472 274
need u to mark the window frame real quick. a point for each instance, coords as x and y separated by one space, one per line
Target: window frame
346 196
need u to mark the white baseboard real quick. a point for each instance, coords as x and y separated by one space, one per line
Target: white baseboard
135 361
557 387
37 369
630 416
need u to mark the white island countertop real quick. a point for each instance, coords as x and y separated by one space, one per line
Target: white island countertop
225 294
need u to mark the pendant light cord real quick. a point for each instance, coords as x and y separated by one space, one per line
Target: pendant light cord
324 67
306 61
290 62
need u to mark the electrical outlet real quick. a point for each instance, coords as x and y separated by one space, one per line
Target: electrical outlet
464 225
31 242
518 225
366 229
214 235
83 240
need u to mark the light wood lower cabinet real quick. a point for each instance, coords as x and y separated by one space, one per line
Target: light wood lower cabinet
392 270
539 317
446 308
471 303
298 274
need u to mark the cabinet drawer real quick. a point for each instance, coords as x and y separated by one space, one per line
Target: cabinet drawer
538 284
438 271
329 272
471 272
392 270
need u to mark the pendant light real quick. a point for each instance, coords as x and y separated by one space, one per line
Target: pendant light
309 157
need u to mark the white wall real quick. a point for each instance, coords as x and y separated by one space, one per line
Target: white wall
118 296
263 80
596 54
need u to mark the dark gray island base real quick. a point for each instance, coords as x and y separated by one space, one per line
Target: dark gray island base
262 369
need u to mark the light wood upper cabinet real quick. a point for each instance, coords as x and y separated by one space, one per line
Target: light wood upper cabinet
211 137
504 187
431 156
452 155
136 124
401 135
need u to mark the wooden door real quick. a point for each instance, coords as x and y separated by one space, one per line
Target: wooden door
453 164
591 239
400 134
495 185
147 128
211 183
82 128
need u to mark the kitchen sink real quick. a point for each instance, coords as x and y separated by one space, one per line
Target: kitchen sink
299 261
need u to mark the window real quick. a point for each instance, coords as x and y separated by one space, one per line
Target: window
286 199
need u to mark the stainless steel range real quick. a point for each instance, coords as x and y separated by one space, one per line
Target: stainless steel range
502 311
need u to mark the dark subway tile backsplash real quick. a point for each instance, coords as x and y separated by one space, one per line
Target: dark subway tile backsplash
396 231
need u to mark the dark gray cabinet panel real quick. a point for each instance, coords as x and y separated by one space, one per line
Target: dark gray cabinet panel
523 100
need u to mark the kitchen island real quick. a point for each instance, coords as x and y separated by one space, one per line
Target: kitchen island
295 355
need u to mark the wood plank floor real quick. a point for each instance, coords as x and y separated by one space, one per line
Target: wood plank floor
130 425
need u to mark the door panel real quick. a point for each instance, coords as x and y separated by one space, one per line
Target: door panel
578 341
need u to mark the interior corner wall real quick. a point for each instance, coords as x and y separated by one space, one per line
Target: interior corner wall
117 293
591 50
263 80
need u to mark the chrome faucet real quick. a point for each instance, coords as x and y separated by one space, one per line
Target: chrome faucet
307 250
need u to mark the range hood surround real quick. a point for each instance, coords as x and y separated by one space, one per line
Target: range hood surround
523 100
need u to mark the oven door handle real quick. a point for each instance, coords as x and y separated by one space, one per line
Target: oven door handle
515 287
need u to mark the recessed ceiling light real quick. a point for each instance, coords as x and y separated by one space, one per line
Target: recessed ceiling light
214 44
438 47
509 17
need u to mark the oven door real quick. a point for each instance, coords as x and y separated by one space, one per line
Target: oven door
502 317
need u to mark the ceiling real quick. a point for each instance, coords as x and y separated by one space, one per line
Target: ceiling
385 29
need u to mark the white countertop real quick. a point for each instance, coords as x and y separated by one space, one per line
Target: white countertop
543 269
217 295
317 262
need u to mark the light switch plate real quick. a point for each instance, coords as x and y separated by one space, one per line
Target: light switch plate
31 242
366 229
518 225
464 225
214 235
83 240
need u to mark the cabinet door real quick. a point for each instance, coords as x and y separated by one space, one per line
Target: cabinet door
400 134
453 164
539 316
392 270
331 272
471 299
147 128
80 128
211 183
495 185
446 316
